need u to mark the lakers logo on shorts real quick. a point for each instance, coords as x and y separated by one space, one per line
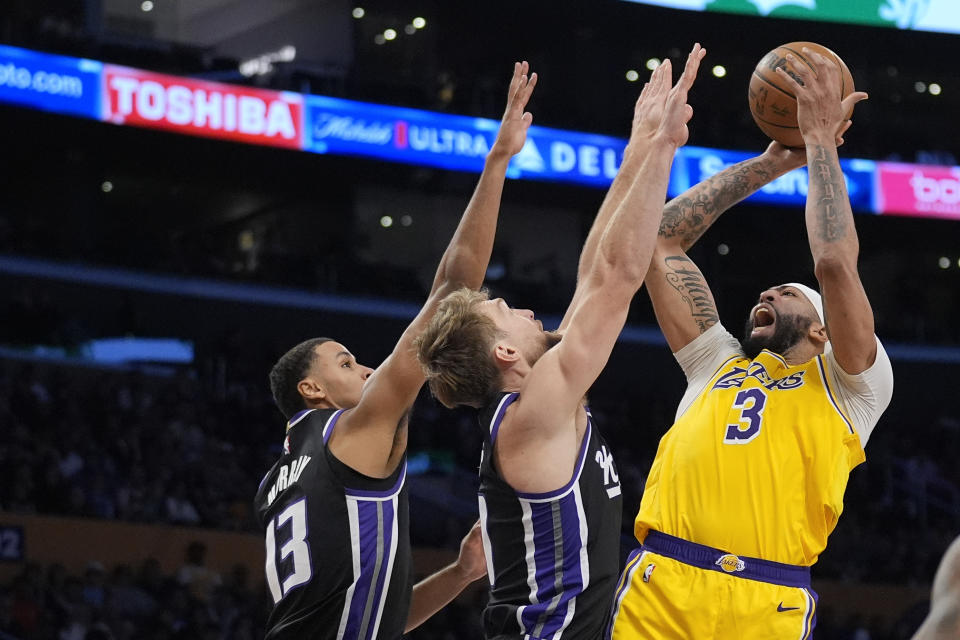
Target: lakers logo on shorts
730 563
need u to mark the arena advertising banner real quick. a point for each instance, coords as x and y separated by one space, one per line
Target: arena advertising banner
202 108
455 142
694 164
50 83
919 15
919 190
126 96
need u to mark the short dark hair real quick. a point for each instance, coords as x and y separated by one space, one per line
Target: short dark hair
287 373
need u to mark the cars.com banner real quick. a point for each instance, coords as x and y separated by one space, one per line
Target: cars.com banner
126 96
50 83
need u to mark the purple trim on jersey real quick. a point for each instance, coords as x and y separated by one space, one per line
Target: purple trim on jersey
557 545
389 513
297 417
704 557
264 480
381 495
505 402
375 524
777 356
826 385
581 459
626 579
810 621
331 423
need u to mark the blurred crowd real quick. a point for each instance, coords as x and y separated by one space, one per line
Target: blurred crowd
135 446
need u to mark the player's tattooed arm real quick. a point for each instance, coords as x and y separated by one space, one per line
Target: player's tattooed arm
689 215
686 279
828 192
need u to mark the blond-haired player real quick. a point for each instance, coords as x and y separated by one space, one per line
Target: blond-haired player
550 504
748 482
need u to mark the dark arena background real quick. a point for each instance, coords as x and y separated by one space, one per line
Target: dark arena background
152 270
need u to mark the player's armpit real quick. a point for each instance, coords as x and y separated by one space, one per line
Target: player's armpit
681 297
371 437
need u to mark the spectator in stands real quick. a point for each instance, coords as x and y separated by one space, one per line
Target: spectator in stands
193 574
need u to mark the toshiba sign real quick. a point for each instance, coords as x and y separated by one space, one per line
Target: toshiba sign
196 107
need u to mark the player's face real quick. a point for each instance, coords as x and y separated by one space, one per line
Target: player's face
339 373
521 328
779 321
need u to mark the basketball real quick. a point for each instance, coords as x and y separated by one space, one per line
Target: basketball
772 101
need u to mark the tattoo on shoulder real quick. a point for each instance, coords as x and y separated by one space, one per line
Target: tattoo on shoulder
684 276
826 176
689 215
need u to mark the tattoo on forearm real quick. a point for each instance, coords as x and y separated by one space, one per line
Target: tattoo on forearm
831 221
689 215
685 277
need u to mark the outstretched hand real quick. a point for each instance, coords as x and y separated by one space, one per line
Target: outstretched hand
821 114
662 109
513 127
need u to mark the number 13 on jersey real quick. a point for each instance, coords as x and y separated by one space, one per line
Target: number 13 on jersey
295 543
750 402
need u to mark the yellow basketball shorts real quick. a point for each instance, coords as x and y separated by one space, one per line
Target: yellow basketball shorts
675 589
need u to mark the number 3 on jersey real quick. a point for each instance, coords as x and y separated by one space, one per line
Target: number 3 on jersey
750 402
296 544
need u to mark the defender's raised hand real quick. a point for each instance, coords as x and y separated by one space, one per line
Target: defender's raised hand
821 114
513 128
677 112
662 109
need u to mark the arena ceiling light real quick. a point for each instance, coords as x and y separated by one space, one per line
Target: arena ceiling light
263 64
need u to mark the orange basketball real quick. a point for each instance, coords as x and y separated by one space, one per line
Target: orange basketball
772 102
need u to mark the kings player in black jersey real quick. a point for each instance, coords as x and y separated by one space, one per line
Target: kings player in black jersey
334 506
550 505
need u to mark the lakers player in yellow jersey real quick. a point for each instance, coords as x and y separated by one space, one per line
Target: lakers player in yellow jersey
748 483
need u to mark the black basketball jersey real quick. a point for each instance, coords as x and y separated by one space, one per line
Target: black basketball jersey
338 545
552 558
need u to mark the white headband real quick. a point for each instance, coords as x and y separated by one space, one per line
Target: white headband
817 301
815 298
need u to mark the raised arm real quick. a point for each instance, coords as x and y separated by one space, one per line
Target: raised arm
830 228
681 297
561 377
633 157
464 263
388 394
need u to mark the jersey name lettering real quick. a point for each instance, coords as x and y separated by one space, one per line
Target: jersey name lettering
288 474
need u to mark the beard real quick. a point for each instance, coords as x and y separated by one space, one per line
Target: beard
548 340
789 331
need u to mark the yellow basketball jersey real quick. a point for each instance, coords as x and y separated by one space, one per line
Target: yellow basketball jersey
757 465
